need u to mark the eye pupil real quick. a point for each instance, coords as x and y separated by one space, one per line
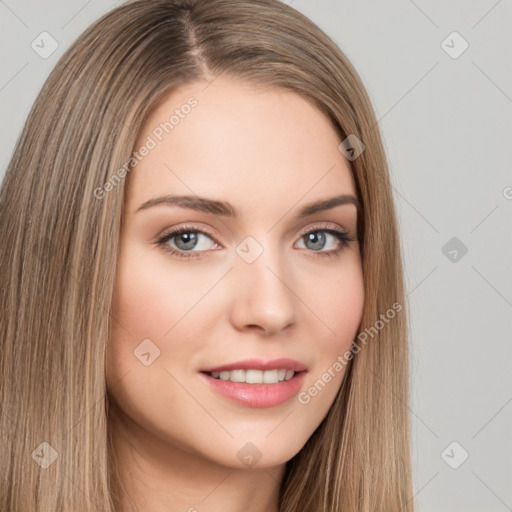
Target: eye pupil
318 239
190 240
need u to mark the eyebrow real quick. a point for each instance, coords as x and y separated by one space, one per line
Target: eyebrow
204 204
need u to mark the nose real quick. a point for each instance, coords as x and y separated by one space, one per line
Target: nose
263 298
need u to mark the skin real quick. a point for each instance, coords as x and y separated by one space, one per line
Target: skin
268 152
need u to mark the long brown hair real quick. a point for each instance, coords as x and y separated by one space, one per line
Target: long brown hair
59 249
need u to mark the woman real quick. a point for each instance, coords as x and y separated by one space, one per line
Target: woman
202 291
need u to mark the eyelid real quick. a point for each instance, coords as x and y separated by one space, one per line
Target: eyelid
186 227
324 226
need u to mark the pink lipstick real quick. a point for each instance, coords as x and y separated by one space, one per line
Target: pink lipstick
257 383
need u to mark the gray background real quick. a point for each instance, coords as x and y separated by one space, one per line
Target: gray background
447 126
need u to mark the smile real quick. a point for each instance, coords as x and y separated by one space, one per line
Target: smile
252 376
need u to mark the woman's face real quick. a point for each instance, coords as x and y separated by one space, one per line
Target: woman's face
249 278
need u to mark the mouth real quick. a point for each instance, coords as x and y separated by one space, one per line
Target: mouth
255 383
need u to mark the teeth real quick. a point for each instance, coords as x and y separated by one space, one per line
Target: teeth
254 376
236 375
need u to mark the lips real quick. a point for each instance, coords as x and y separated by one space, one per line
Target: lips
257 395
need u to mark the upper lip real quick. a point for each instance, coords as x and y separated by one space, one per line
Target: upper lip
259 364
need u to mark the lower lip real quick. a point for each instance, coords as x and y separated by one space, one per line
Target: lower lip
257 395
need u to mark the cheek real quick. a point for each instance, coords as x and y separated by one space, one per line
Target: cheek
161 300
152 297
151 315
338 303
345 309
338 310
148 305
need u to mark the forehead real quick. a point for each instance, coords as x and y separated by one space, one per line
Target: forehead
231 140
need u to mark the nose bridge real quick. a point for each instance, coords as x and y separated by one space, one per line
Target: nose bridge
262 294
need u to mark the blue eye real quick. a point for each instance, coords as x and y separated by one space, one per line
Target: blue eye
318 240
187 238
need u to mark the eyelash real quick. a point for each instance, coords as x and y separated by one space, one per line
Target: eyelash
341 236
